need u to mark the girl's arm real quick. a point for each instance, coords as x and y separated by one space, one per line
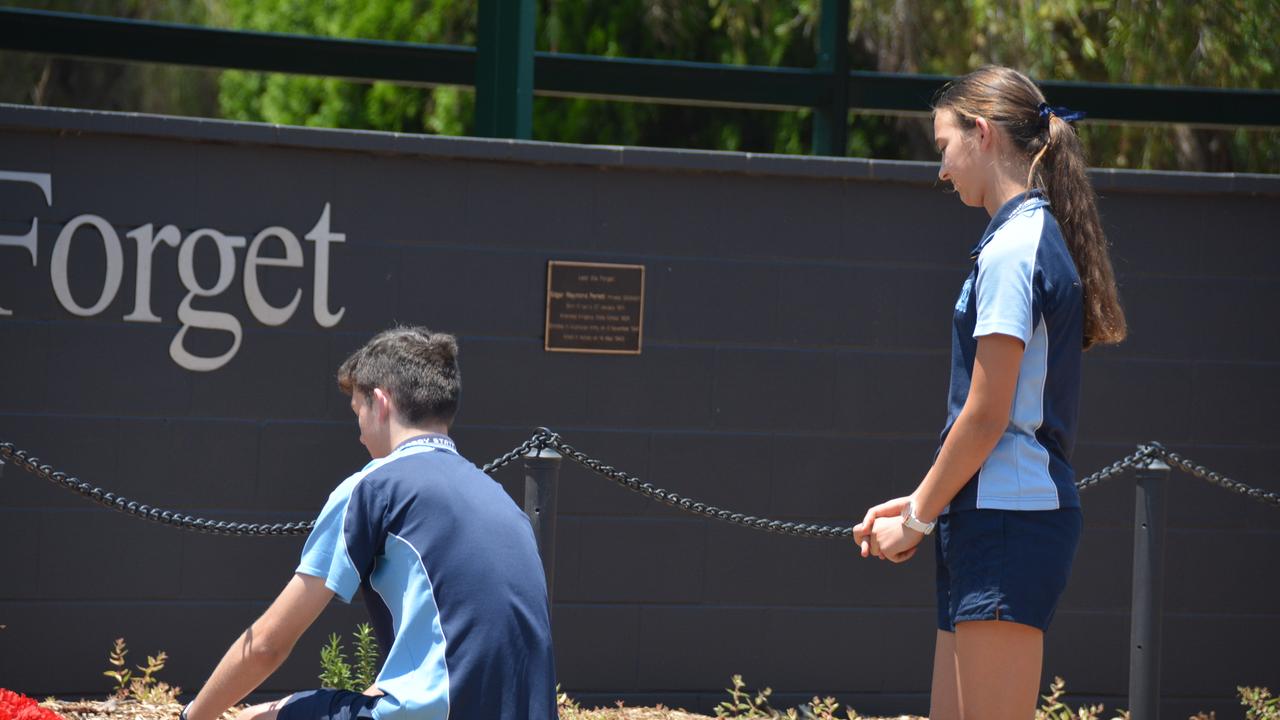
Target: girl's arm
977 429
973 436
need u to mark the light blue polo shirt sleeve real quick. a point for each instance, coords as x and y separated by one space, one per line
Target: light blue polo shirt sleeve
341 547
1004 287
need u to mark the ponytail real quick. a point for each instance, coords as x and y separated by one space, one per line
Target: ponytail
1059 170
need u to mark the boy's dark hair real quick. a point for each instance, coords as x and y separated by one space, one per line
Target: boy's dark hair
417 367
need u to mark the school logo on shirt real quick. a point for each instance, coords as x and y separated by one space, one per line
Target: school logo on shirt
963 303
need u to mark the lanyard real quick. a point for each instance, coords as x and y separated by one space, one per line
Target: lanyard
435 442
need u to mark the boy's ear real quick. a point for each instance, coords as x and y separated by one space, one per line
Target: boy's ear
383 402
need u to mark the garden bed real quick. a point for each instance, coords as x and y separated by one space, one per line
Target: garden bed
134 710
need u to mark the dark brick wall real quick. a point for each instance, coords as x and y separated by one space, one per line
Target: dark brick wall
794 365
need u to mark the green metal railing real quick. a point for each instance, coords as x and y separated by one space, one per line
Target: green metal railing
506 72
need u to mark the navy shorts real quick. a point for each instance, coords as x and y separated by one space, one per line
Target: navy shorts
327 705
1004 564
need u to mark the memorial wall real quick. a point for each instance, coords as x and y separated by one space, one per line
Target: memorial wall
768 334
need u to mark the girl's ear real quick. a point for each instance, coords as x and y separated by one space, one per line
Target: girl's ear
985 136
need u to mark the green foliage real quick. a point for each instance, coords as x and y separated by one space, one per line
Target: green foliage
1229 43
1258 703
1054 709
366 669
822 709
332 102
122 674
1223 44
33 79
337 673
743 704
144 687
1220 44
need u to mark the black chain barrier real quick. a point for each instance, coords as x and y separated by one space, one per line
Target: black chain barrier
545 439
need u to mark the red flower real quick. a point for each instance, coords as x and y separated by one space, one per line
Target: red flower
15 706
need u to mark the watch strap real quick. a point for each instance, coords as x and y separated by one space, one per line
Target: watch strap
910 520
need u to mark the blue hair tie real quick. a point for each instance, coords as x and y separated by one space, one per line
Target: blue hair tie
1063 113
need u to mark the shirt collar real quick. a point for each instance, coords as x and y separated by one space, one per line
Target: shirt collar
1018 204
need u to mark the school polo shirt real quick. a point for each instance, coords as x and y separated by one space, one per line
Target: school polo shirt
454 585
1024 284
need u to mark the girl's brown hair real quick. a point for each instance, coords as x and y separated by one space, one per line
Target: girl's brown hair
1008 98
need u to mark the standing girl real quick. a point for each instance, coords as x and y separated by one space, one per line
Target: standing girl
1001 490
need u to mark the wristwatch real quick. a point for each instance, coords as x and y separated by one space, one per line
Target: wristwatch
910 520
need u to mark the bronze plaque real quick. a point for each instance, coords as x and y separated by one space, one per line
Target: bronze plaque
594 307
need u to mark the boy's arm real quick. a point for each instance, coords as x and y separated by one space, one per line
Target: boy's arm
262 648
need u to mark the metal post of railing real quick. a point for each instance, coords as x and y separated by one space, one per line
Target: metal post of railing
504 69
831 119
541 475
1148 591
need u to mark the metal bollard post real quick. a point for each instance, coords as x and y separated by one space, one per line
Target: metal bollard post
1148 591
541 475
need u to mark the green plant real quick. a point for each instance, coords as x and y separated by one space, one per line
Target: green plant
741 704
335 672
121 674
1258 703
821 709
144 687
338 674
1054 709
366 670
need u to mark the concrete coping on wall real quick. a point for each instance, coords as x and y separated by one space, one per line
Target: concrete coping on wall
63 120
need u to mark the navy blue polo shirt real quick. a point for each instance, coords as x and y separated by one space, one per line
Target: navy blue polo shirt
1023 284
453 582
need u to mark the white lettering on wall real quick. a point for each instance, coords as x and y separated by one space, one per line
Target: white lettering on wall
28 240
62 251
205 319
258 305
147 240
321 236
168 235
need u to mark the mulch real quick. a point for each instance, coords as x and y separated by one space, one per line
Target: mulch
134 710
114 709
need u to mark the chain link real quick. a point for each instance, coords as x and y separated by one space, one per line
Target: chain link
1193 469
544 439
1135 461
22 459
690 505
